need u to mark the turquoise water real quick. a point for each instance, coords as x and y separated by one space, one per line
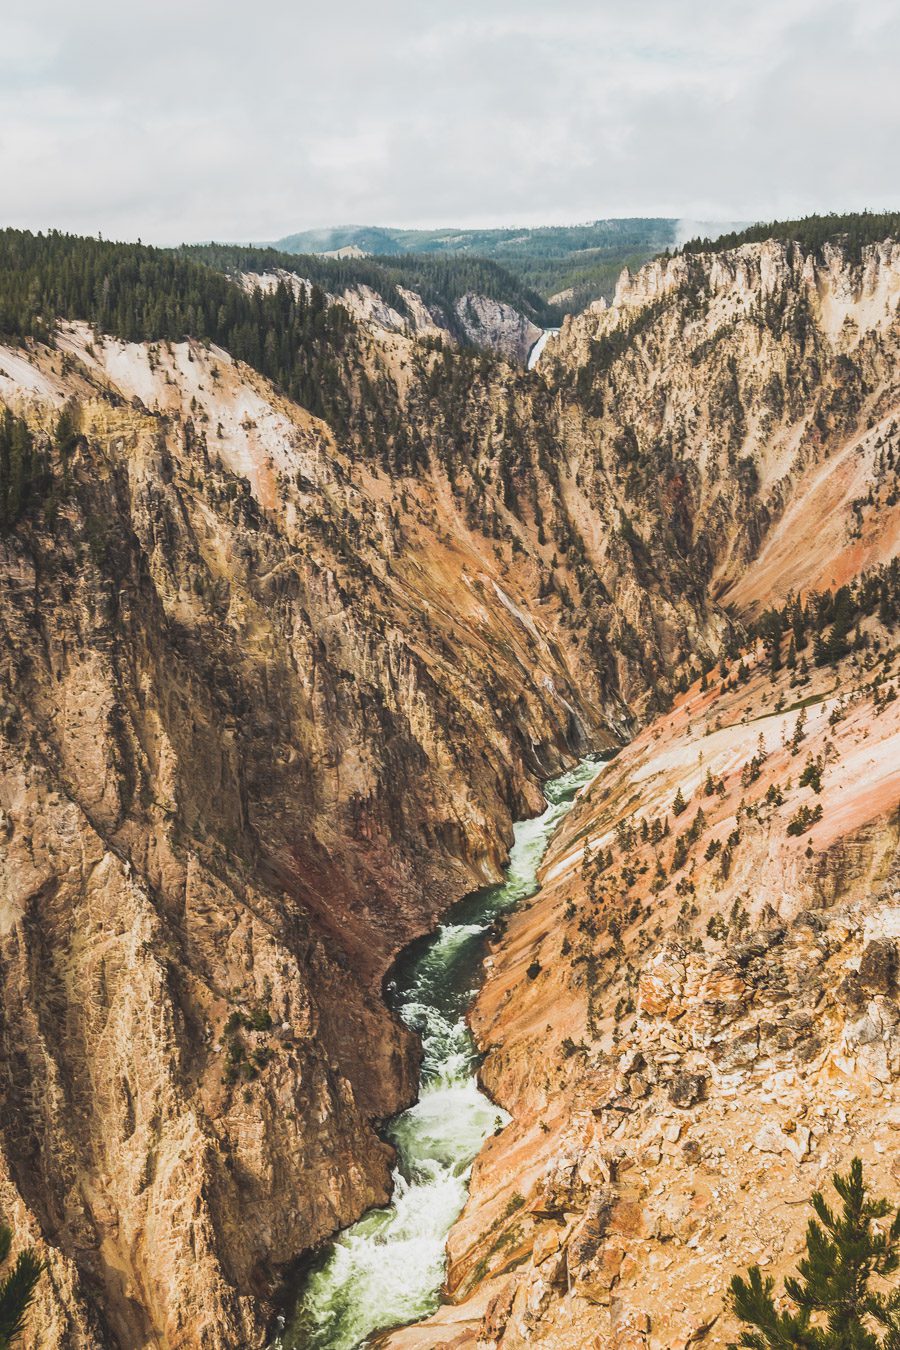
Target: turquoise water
388 1268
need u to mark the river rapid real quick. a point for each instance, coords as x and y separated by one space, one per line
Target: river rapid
388 1268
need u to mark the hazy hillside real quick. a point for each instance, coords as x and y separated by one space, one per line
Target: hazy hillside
577 263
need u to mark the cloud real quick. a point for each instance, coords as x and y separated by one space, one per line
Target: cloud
170 121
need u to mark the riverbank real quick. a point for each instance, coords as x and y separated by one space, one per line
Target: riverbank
388 1269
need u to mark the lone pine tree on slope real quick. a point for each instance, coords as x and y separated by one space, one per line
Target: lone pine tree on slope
16 1289
836 1306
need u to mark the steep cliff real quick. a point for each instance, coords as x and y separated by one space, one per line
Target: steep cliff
260 726
696 1021
273 690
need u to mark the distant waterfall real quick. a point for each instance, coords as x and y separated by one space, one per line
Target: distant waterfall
535 354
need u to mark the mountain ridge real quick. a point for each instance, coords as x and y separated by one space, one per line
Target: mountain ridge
569 265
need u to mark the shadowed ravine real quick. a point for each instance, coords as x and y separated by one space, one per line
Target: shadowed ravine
388 1268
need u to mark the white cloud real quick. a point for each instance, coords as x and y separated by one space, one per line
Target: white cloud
175 121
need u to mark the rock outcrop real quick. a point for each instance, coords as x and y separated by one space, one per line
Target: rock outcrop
497 326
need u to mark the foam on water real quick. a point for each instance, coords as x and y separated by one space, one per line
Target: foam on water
388 1268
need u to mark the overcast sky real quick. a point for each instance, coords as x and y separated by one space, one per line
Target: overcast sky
196 120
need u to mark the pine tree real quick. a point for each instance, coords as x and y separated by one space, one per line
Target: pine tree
679 804
679 856
792 655
16 1289
843 1253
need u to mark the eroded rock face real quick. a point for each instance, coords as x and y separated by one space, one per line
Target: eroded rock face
236 777
497 326
270 702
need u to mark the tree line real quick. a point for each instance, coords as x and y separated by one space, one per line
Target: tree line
853 230
143 294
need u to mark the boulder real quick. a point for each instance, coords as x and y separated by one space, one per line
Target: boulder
686 1089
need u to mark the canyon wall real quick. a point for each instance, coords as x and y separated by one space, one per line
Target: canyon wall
695 1023
271 697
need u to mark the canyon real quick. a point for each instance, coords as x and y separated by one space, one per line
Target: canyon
273 691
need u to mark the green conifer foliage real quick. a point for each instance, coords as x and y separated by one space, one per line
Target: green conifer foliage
17 1288
834 1305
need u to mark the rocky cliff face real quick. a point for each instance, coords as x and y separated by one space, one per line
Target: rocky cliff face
696 1021
258 730
497 326
270 700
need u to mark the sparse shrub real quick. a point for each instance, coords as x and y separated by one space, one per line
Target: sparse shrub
805 818
679 856
17 1288
799 732
717 928
570 1047
514 1204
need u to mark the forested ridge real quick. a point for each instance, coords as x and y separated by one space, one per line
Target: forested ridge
585 259
439 280
853 230
141 294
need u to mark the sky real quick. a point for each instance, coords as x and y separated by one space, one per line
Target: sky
193 120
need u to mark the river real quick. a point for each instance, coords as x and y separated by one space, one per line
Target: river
388 1268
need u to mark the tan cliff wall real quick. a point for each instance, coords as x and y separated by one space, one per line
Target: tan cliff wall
270 703
689 1049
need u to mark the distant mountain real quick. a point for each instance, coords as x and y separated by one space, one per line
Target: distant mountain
546 241
568 265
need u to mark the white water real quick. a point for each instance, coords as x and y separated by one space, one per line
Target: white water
534 354
388 1269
